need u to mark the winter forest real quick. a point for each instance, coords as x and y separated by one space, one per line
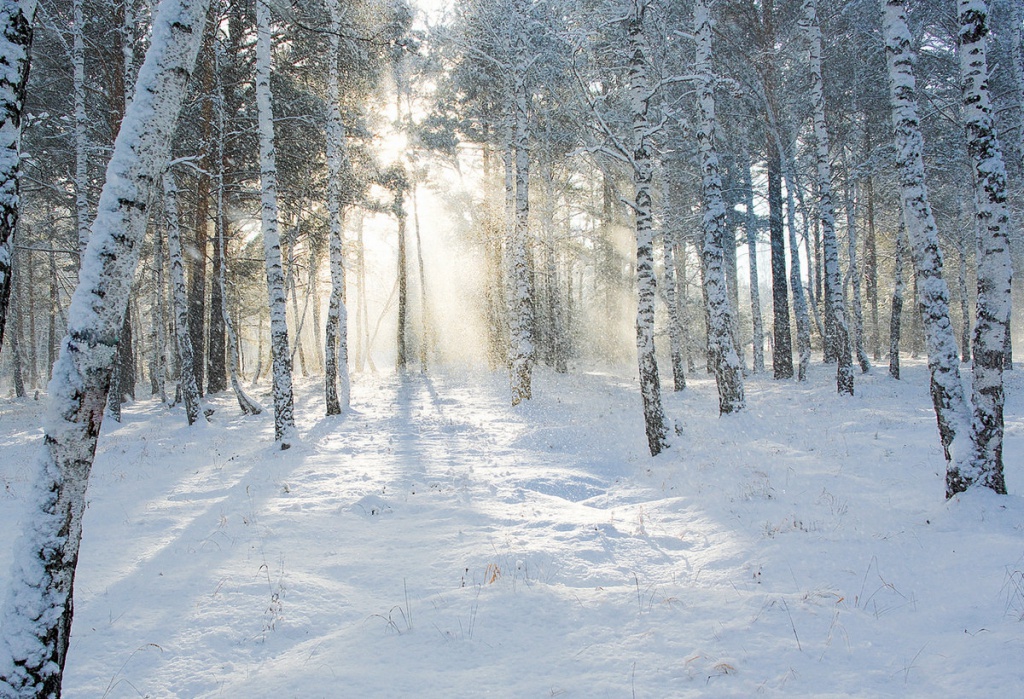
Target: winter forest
513 348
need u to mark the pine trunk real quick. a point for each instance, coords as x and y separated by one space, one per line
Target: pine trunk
755 282
800 312
896 319
853 274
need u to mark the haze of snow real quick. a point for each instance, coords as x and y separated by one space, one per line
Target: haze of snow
437 543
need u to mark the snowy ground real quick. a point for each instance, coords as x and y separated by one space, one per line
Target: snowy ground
437 543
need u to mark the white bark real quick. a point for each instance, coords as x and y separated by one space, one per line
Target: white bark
853 274
993 259
725 359
284 419
337 382
643 173
186 353
796 285
826 211
933 295
37 612
81 138
672 281
159 364
520 299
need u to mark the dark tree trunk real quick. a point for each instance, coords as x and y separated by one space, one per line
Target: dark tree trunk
871 269
16 32
216 380
782 344
896 319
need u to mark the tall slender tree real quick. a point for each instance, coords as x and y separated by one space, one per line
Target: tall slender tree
37 612
948 398
992 222
336 376
643 173
284 418
725 359
16 17
833 290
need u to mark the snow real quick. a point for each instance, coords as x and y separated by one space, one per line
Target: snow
437 543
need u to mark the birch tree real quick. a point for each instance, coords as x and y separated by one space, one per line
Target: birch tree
992 322
284 419
520 296
951 410
336 377
833 290
187 381
81 152
643 173
750 224
16 18
896 317
37 611
725 359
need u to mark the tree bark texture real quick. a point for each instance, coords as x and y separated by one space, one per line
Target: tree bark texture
37 613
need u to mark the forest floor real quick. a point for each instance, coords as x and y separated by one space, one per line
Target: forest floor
436 542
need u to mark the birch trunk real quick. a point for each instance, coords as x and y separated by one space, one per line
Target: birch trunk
159 326
338 391
853 274
992 324
643 171
800 312
947 392
187 380
755 282
284 419
15 45
520 298
671 283
838 345
726 361
37 613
